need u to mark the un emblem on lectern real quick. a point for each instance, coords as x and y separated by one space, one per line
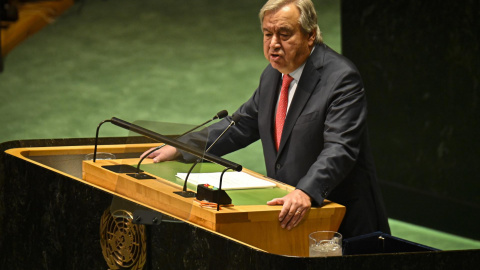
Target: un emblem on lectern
123 243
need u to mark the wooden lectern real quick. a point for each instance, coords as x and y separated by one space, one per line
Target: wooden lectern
51 215
254 225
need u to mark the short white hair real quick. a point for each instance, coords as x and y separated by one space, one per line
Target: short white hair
308 15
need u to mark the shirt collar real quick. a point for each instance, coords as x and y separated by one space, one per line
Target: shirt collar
297 73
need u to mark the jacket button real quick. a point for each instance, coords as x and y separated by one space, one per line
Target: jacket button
278 166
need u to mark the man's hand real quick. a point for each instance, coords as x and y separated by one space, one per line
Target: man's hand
295 205
165 153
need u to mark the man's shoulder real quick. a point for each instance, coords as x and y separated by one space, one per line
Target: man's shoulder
328 59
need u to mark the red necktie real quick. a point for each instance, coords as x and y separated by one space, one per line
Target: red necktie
282 109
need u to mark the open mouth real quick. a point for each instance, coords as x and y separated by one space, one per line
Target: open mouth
274 56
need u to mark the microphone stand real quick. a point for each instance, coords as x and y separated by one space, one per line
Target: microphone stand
217 199
96 139
139 175
190 194
160 138
177 144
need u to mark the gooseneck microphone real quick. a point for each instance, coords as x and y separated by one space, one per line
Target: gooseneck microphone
166 140
221 114
235 119
188 194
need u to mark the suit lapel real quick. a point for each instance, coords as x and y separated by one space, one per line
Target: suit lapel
309 79
266 112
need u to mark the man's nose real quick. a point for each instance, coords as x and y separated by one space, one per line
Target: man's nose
274 43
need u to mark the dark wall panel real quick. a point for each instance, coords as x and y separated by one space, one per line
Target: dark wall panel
420 62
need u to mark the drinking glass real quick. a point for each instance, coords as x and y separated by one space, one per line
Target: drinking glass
325 243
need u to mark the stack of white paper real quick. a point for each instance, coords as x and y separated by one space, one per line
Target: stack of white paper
231 180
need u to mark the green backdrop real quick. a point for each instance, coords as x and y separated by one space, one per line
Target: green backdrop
169 61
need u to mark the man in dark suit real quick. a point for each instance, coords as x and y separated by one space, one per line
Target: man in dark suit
309 111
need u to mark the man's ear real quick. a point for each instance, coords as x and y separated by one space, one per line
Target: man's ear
311 38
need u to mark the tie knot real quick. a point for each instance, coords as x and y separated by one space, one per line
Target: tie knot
287 79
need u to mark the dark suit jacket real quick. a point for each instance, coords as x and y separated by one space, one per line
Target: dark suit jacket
324 149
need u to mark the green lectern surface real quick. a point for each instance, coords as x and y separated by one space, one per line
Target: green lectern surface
256 196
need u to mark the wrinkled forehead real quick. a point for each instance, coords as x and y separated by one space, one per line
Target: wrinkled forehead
284 18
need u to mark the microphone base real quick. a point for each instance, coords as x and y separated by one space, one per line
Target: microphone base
121 168
186 194
218 196
140 176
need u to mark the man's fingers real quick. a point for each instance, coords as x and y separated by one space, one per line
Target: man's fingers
285 214
290 218
154 154
276 201
295 218
295 205
299 217
164 153
159 156
144 153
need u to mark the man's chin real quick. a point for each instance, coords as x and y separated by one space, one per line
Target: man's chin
277 66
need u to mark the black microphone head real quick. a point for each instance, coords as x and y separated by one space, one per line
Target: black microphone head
221 114
235 118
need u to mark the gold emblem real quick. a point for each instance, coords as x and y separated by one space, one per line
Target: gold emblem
123 243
